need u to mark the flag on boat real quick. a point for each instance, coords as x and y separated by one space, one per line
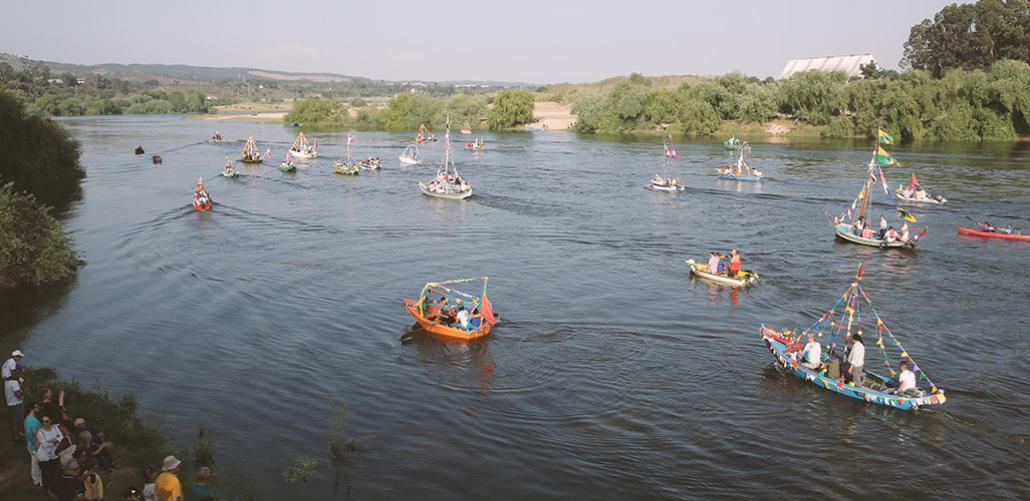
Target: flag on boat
885 138
350 138
883 182
488 312
861 271
912 184
670 149
884 158
906 215
268 153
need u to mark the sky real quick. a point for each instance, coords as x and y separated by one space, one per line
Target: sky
534 41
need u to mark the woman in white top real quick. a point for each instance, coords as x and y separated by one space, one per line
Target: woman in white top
48 436
813 353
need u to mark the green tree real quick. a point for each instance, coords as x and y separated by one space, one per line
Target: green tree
34 249
178 100
970 36
318 111
407 111
511 107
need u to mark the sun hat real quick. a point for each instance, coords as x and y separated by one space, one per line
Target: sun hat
17 353
170 463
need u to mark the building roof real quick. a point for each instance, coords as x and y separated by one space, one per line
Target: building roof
849 64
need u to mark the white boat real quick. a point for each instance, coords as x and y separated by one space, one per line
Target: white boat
447 183
302 150
664 180
411 155
916 194
744 279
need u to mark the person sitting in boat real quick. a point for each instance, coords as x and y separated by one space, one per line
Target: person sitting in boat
867 233
904 232
713 262
813 353
907 381
724 264
891 235
734 267
883 226
859 225
463 317
920 194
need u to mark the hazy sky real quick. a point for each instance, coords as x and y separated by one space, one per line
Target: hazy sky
516 40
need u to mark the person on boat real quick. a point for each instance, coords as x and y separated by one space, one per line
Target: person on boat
463 317
891 236
920 194
867 233
734 267
724 264
883 226
859 225
813 353
856 360
907 381
713 262
904 232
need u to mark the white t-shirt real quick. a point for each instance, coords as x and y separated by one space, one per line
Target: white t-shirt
8 368
463 317
10 387
907 380
48 451
813 353
857 355
150 491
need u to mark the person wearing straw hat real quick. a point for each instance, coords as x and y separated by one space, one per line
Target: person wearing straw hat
167 485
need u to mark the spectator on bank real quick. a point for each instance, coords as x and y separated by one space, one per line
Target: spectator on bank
10 363
69 485
66 450
15 404
48 436
92 484
149 488
167 485
53 409
200 490
32 425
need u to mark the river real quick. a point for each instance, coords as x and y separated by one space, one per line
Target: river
613 374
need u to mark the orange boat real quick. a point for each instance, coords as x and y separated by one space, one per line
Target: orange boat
446 311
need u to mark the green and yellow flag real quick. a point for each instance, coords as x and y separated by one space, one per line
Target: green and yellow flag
884 158
885 138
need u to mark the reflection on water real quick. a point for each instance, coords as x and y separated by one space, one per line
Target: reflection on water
613 373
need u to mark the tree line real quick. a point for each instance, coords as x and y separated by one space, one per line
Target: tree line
406 111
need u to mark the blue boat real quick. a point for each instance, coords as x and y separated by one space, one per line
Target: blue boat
836 328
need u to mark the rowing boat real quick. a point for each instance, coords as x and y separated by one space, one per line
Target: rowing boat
993 234
439 308
844 232
745 278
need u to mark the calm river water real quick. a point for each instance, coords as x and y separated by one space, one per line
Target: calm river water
614 375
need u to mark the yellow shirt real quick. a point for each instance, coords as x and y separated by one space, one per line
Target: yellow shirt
168 487
94 487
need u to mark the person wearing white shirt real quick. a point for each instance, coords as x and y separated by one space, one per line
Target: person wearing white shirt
813 353
48 437
856 359
10 363
906 380
463 318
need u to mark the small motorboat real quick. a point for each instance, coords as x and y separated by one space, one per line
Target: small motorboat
744 278
411 155
156 159
371 163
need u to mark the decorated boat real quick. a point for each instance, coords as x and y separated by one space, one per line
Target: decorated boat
251 154
444 310
447 183
740 171
216 138
477 145
411 155
371 163
230 169
424 136
303 150
287 165
916 194
664 180
345 167
733 143
993 232
466 129
853 316
744 278
201 199
851 226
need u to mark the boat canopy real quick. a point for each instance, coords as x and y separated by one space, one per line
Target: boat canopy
436 293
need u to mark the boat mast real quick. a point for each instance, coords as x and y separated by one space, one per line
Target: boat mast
868 183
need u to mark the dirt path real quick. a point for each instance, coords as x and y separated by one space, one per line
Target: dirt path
552 116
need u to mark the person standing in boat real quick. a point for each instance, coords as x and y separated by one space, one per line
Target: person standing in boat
723 265
713 262
856 360
883 226
734 268
813 353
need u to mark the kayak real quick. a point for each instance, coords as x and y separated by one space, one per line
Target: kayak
993 234
744 279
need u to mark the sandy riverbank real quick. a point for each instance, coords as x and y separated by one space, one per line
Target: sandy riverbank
552 115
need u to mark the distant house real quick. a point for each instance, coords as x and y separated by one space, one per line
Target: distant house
850 64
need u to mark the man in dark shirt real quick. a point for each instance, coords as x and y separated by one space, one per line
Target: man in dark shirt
69 486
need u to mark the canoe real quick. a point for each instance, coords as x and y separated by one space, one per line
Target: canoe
787 359
435 327
843 232
992 234
460 195
701 270
934 199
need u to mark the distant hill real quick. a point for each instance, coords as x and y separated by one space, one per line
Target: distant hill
184 72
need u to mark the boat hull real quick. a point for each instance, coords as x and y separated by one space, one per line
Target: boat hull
291 168
234 174
699 270
935 200
443 330
844 233
778 346
408 161
461 195
665 188
201 208
304 156
989 234
740 178
250 160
